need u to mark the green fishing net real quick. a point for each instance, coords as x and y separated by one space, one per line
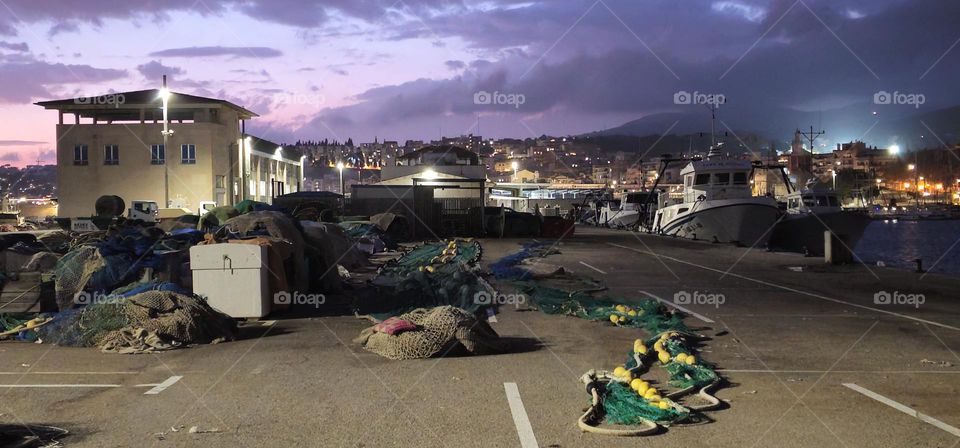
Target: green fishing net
623 406
648 314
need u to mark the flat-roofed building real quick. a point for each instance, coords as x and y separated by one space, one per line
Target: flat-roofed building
115 146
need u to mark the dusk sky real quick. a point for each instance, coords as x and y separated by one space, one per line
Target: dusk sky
409 69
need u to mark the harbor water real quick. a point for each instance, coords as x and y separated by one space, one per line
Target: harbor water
897 244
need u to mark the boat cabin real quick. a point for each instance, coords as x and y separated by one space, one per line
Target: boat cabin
716 180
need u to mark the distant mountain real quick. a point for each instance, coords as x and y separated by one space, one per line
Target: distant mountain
877 125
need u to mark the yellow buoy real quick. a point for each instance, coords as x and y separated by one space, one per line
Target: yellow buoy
653 398
620 308
691 360
636 383
649 392
429 268
632 313
682 357
619 372
642 388
663 356
639 347
614 318
663 405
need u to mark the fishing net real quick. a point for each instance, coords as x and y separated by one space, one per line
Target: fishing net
434 274
624 406
508 267
440 330
647 314
142 322
73 272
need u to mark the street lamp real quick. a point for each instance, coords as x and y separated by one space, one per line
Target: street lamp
514 165
834 175
165 97
340 169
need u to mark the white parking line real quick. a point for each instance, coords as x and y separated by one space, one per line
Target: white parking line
591 267
69 373
794 290
904 408
51 386
685 310
524 430
162 386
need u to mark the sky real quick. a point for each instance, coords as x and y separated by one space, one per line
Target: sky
407 69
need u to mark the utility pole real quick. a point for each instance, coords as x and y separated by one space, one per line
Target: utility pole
811 136
165 96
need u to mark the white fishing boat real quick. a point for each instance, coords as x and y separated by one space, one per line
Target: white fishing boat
717 204
626 213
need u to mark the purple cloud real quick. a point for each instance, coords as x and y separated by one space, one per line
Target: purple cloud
237 52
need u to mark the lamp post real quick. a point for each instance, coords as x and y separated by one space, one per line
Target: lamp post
165 96
340 169
834 174
514 165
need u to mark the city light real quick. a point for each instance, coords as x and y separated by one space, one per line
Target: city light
894 149
911 167
429 174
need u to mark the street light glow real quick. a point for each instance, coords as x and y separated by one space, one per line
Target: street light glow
164 93
340 166
429 174
894 149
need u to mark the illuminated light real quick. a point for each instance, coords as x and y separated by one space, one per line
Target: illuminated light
939 186
911 167
340 166
164 93
879 180
894 149
429 174
906 185
514 165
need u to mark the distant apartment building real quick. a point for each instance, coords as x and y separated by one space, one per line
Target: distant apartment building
115 146
434 162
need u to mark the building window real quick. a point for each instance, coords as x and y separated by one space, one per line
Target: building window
218 181
157 155
188 154
80 155
111 155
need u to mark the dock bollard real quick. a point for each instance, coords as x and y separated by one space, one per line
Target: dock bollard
834 249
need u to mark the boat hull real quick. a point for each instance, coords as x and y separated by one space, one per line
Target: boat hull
747 222
804 232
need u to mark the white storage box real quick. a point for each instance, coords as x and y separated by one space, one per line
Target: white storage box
233 277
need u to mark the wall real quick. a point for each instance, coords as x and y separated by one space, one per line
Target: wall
135 178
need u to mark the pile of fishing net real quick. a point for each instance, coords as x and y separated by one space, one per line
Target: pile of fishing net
153 320
433 274
623 397
434 332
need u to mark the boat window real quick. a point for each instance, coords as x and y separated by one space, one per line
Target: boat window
689 180
721 178
822 201
702 179
682 210
834 201
793 203
739 178
808 201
